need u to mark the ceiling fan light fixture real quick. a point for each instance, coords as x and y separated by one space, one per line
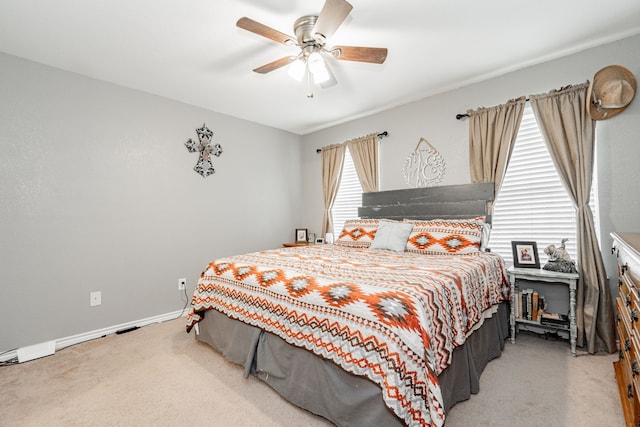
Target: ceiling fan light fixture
297 69
331 81
318 67
321 77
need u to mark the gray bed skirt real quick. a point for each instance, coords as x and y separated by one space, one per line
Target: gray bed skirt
322 387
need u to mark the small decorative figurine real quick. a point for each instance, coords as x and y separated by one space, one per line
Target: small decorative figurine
559 259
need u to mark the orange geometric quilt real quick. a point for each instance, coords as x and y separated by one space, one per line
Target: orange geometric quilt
392 317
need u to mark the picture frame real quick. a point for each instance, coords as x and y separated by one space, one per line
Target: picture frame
301 235
319 240
525 254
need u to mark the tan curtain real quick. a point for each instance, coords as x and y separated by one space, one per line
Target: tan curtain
569 133
364 152
332 161
492 132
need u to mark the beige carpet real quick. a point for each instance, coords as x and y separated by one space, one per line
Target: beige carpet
160 376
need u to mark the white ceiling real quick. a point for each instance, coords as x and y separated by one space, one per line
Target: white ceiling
191 50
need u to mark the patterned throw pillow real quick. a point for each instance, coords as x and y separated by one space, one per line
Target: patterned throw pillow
445 236
358 233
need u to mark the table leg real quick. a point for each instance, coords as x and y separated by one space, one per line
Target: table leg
512 314
573 329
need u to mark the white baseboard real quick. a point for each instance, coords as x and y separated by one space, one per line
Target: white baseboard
91 335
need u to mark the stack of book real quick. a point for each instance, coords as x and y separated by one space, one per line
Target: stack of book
554 319
529 305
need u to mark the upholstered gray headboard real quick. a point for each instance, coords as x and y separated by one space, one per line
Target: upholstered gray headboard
447 201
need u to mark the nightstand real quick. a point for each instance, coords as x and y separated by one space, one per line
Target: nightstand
551 277
293 244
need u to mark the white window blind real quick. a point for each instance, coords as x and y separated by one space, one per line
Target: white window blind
349 197
532 204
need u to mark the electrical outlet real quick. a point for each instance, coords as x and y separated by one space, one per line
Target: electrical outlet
95 298
182 283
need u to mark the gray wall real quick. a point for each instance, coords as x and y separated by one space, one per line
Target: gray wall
98 193
433 118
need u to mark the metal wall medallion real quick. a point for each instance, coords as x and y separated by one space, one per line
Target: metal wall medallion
204 166
424 167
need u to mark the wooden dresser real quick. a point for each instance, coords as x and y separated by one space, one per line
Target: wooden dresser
626 248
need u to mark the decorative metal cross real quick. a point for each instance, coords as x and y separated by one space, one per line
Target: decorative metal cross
204 166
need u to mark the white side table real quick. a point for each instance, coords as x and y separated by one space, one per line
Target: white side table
539 275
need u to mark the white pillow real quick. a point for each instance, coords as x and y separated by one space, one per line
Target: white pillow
486 235
392 236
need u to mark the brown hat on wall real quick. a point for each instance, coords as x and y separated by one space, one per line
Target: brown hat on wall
610 92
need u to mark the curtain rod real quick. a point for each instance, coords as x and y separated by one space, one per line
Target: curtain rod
380 135
461 116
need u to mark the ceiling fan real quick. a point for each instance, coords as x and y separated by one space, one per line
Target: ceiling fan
312 32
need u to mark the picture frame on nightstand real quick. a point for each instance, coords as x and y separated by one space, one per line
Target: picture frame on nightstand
301 235
525 254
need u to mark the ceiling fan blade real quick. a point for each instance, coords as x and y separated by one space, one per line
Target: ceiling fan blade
265 31
333 13
376 55
278 63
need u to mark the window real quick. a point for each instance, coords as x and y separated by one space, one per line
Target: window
349 197
533 204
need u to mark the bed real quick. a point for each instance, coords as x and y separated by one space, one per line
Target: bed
361 332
